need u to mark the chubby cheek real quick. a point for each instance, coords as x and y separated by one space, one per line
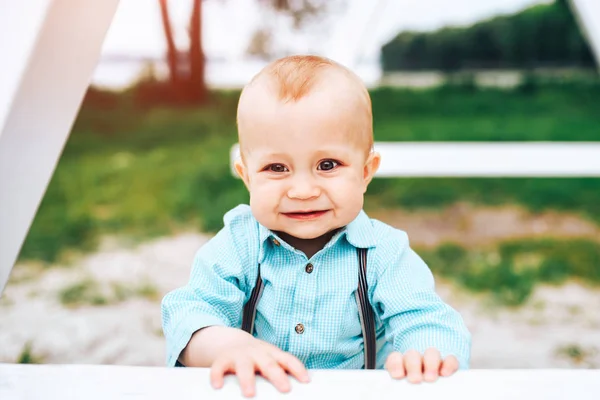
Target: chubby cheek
346 194
264 199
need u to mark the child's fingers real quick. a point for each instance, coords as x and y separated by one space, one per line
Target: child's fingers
292 365
273 372
413 362
449 366
218 370
395 365
431 364
245 371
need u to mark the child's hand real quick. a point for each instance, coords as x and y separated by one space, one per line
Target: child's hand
251 356
417 367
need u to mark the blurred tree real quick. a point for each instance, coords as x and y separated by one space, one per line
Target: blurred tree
300 10
197 85
186 69
541 35
172 55
260 45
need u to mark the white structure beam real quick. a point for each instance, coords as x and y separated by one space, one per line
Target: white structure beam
484 159
49 51
102 382
588 16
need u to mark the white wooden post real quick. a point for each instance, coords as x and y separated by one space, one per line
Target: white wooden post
588 16
49 50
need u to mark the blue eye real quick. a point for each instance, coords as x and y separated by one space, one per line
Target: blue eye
277 168
328 165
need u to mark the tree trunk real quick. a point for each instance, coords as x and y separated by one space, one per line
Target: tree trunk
197 84
172 57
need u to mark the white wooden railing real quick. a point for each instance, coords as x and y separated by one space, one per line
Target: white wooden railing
75 382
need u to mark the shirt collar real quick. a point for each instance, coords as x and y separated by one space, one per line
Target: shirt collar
360 232
264 233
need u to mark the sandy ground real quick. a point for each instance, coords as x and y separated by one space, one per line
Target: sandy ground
482 226
558 327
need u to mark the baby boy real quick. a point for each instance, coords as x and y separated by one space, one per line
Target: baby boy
305 255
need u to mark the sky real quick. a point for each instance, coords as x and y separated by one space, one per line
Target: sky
351 34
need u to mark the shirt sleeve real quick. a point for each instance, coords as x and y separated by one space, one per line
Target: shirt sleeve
414 316
215 292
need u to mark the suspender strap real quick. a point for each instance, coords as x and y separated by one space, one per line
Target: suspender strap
365 311
250 307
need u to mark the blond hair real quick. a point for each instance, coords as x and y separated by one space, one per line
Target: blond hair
294 77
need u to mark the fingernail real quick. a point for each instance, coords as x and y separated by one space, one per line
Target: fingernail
397 375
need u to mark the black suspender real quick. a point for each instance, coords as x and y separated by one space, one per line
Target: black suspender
365 311
250 307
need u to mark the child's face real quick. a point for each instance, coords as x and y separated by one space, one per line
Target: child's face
306 163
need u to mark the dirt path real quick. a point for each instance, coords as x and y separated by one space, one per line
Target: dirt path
481 226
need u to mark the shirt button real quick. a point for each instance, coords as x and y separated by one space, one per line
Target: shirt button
299 329
276 242
309 268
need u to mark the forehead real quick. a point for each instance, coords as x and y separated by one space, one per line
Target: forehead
328 113
329 85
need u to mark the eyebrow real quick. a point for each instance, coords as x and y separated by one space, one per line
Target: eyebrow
328 152
272 155
267 157
337 151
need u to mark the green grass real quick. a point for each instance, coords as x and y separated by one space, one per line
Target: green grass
91 292
84 292
578 354
147 290
147 171
511 271
27 356
551 112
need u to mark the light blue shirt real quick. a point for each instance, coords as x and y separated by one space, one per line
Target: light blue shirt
408 312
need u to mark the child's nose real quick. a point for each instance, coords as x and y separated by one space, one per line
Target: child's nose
303 187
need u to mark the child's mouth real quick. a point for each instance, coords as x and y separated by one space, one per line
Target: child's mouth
305 215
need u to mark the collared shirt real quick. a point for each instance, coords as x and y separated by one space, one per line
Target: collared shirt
316 294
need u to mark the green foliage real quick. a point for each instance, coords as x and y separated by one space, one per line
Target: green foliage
122 292
511 271
28 357
560 111
542 35
578 354
139 173
90 292
578 195
142 173
84 292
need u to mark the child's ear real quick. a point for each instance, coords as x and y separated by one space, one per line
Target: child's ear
242 172
371 167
